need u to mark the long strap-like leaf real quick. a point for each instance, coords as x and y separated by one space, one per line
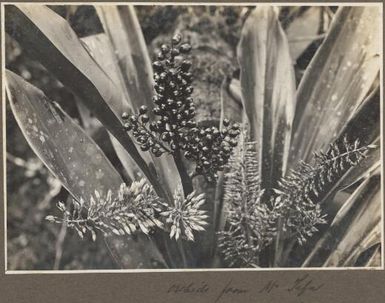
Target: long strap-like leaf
268 91
71 155
336 81
49 39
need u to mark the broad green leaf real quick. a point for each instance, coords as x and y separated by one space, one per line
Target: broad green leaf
357 216
122 27
337 80
268 90
365 126
372 237
303 31
371 257
49 39
100 49
71 155
142 252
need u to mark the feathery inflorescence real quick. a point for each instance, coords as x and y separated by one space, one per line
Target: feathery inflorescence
300 193
251 222
185 215
134 208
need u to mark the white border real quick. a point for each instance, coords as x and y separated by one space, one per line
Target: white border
93 271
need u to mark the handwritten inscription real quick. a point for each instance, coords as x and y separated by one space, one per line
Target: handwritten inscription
190 288
299 287
229 289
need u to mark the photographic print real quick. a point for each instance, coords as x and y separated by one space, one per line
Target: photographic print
162 137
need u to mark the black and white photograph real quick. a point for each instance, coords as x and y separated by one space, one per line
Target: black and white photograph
155 137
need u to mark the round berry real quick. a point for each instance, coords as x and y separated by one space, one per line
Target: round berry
187 76
206 163
185 48
226 122
236 126
174 52
127 126
159 88
143 109
158 66
164 48
233 143
185 66
145 118
153 126
170 62
125 116
157 111
177 39
165 136
160 56
189 89
158 153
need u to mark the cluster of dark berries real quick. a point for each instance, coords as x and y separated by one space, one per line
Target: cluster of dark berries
140 128
174 105
174 127
211 148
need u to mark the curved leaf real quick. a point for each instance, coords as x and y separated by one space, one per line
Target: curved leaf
357 216
304 30
101 51
122 27
336 81
268 90
60 143
49 39
371 237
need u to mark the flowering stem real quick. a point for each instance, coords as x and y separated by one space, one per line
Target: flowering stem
182 252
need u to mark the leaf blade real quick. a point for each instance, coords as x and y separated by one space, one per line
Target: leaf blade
336 80
268 90
60 142
49 39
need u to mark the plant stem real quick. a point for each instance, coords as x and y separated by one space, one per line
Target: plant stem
184 176
182 252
